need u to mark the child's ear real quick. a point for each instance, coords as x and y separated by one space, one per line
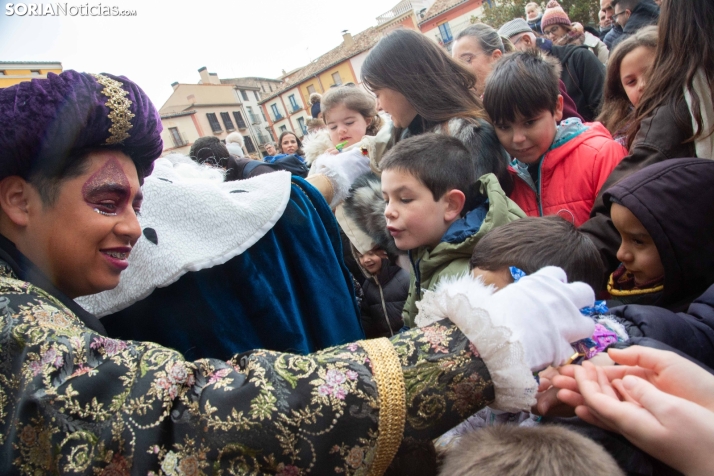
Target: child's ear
558 114
455 200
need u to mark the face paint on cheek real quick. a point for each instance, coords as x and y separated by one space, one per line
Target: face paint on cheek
108 189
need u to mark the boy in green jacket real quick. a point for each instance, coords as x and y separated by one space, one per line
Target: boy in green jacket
438 209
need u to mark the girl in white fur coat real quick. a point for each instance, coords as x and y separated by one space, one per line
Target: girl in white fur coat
339 154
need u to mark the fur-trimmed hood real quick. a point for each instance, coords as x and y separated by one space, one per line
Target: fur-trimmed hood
365 207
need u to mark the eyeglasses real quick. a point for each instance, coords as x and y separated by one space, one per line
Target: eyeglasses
615 15
551 31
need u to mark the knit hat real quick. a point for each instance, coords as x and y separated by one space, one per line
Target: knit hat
554 15
513 28
42 121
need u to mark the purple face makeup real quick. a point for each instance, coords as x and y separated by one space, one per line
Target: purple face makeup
108 189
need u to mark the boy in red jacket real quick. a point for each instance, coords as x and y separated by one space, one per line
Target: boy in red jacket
557 169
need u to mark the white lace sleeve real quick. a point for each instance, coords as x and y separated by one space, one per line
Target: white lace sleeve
460 301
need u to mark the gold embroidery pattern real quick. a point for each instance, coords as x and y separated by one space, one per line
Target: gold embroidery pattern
119 105
387 372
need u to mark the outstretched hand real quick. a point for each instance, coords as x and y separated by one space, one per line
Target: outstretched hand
667 371
672 429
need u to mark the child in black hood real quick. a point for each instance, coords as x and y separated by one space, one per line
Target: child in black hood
663 214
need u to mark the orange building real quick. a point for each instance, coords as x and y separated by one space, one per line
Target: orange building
13 72
445 19
288 109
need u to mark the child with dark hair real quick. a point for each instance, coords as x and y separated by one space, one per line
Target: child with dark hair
438 209
385 289
534 243
663 214
558 169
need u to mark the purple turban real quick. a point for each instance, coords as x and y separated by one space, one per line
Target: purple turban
44 120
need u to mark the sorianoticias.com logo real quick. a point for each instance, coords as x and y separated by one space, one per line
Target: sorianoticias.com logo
65 10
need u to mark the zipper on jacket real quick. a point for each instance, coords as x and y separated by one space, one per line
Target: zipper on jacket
539 186
384 306
417 275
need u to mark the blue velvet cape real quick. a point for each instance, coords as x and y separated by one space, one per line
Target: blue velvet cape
290 292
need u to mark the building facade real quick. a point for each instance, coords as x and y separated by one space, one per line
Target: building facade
14 72
289 108
252 90
445 19
215 108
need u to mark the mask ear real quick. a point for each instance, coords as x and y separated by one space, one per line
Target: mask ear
16 194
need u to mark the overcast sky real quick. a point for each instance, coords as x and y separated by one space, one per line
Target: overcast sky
169 41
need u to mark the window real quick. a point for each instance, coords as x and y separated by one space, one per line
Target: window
293 103
276 114
271 87
445 31
2 73
263 114
283 128
227 121
262 87
239 119
213 121
257 98
301 124
311 89
35 72
270 133
336 78
176 137
249 144
244 94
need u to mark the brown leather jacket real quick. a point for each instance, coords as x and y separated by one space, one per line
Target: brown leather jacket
661 137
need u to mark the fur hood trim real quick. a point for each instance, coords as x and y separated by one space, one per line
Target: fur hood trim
315 144
365 206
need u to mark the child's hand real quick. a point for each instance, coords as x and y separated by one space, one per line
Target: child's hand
672 429
332 151
547 403
667 371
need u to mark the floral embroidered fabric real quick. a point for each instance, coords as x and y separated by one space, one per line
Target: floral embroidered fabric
73 401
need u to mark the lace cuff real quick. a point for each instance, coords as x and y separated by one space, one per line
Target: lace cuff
505 359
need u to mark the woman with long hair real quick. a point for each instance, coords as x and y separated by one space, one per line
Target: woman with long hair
674 116
627 74
289 143
424 90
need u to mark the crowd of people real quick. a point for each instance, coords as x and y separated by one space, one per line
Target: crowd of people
494 261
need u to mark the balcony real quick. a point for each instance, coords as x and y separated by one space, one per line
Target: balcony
254 118
277 117
295 108
262 138
400 9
